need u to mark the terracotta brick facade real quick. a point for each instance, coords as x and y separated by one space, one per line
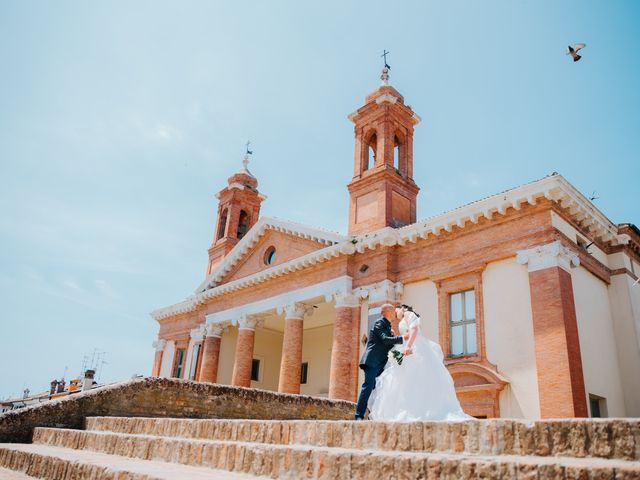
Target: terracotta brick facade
210 359
454 256
243 358
558 361
291 364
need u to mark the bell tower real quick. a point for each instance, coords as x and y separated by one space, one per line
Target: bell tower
238 211
382 192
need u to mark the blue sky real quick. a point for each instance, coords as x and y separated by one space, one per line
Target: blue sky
119 121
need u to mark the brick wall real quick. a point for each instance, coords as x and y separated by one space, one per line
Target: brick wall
156 397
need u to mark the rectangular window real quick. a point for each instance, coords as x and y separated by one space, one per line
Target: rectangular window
195 357
255 370
303 373
179 366
462 323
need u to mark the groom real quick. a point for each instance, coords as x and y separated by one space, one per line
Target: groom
374 358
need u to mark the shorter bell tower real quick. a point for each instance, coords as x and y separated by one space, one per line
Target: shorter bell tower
382 192
238 211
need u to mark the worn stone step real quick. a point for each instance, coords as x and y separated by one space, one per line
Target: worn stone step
298 461
6 474
605 438
29 461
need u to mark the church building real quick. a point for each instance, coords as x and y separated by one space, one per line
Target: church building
532 293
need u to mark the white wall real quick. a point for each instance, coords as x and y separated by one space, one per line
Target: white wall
509 336
268 348
316 350
167 359
625 312
423 297
597 340
227 355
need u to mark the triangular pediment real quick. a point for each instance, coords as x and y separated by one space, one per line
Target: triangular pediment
289 239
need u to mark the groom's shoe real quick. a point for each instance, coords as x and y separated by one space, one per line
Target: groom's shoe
358 417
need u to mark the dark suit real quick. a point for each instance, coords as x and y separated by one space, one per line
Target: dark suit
374 359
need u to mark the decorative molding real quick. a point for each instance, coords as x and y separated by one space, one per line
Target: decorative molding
159 344
197 334
384 291
553 254
216 329
346 299
553 187
264 224
386 97
297 310
249 322
276 303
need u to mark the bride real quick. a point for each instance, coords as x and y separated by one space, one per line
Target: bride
421 388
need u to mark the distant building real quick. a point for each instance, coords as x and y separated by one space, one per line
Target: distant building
530 292
58 389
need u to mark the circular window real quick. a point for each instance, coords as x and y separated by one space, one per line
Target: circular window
270 255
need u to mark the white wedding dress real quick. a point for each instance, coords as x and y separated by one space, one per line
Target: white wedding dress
419 389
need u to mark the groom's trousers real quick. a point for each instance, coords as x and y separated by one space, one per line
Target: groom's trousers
370 375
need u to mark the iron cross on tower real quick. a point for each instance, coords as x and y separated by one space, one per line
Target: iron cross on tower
384 55
245 161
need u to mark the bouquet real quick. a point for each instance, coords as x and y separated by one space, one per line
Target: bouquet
396 355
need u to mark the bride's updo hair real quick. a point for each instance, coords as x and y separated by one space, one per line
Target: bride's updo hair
409 308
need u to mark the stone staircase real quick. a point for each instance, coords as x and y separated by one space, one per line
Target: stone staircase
168 448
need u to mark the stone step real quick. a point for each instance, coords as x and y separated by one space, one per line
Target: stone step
29 461
614 439
298 461
6 474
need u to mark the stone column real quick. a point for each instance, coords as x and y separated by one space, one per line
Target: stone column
244 351
211 353
157 361
291 363
343 376
557 345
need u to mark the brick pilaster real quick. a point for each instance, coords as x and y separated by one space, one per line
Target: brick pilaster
557 345
211 354
291 363
244 353
343 376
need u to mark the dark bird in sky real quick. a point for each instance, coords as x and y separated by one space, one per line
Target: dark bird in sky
573 51
593 196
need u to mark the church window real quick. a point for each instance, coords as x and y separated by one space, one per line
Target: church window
396 155
270 255
255 370
179 363
304 371
243 224
462 322
223 224
372 146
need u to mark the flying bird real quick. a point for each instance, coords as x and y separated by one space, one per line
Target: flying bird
593 196
573 51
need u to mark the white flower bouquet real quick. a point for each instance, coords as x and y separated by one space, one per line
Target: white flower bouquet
396 355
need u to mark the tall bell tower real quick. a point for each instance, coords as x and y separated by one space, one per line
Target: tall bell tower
238 211
382 192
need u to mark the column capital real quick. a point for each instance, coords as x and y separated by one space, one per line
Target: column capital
296 310
553 254
215 329
197 334
346 299
159 344
249 322
382 292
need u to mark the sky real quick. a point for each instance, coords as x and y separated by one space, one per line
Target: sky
119 121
